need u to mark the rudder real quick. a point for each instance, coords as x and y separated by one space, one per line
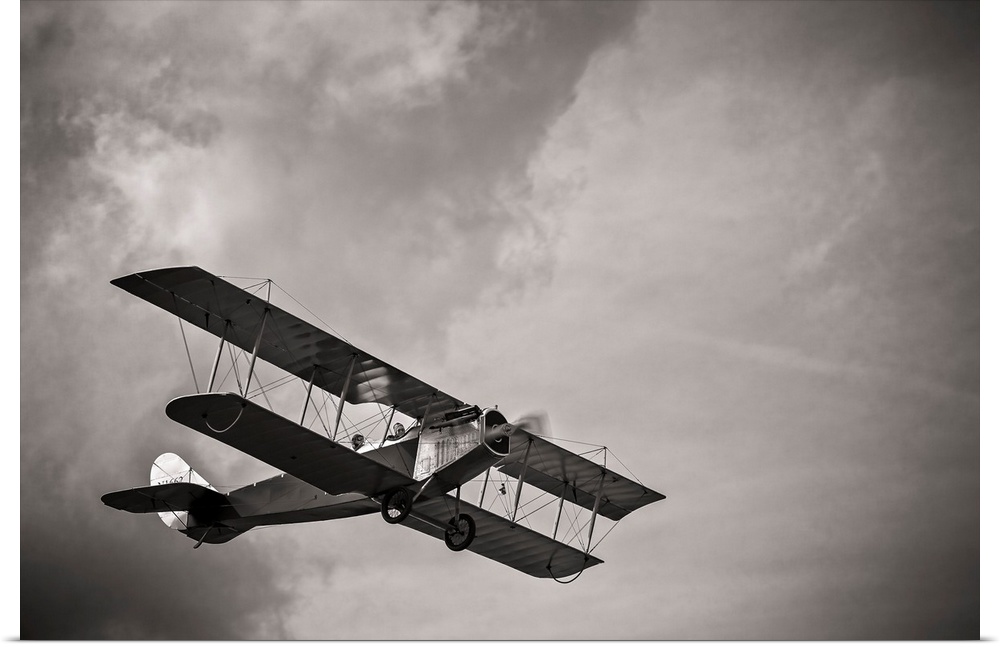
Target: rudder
171 468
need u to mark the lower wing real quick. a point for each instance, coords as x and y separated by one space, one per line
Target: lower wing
502 540
283 444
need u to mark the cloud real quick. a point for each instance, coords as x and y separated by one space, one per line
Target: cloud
759 294
82 582
379 149
735 242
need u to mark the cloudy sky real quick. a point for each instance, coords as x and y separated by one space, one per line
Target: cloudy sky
737 243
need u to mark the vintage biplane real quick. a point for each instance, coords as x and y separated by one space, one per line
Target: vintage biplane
413 474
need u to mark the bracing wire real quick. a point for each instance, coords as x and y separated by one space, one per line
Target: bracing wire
574 523
594 547
625 467
575 442
261 391
236 369
260 387
381 408
318 415
320 319
259 280
274 384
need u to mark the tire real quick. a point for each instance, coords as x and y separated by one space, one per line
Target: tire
460 535
396 505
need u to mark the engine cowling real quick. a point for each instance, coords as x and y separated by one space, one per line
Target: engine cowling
496 432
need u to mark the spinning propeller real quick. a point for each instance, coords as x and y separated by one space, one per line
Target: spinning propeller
536 423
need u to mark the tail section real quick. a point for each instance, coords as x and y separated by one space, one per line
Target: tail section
183 500
170 468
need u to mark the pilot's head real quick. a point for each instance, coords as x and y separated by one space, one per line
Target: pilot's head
357 441
398 429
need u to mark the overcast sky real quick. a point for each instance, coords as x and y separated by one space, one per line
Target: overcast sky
736 243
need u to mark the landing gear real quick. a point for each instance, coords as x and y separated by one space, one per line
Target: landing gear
461 533
396 505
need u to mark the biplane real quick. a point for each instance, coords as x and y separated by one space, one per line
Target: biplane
413 475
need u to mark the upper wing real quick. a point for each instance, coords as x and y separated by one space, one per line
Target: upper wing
504 541
265 435
289 343
548 467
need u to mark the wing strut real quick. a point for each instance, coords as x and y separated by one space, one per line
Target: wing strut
256 349
388 426
486 481
562 499
305 405
597 505
218 356
520 480
343 395
187 350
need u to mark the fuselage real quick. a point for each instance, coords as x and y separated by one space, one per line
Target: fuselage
440 458
285 499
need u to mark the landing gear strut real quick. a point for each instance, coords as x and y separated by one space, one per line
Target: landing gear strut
396 505
461 533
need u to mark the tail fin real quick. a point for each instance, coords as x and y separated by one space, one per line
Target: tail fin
183 500
171 468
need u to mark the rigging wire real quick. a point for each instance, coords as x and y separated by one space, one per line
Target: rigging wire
318 414
574 442
538 496
320 319
236 369
594 547
381 408
223 380
260 391
502 493
573 523
259 279
625 467
270 386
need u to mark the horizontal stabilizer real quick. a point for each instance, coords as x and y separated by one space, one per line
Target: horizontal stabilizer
551 468
169 497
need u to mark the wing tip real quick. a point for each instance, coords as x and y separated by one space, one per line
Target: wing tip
125 278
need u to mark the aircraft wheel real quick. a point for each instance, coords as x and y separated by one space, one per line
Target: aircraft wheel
396 505
461 533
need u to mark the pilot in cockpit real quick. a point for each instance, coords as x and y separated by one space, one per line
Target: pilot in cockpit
357 441
398 431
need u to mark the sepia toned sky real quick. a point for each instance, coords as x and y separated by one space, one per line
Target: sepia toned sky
738 243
